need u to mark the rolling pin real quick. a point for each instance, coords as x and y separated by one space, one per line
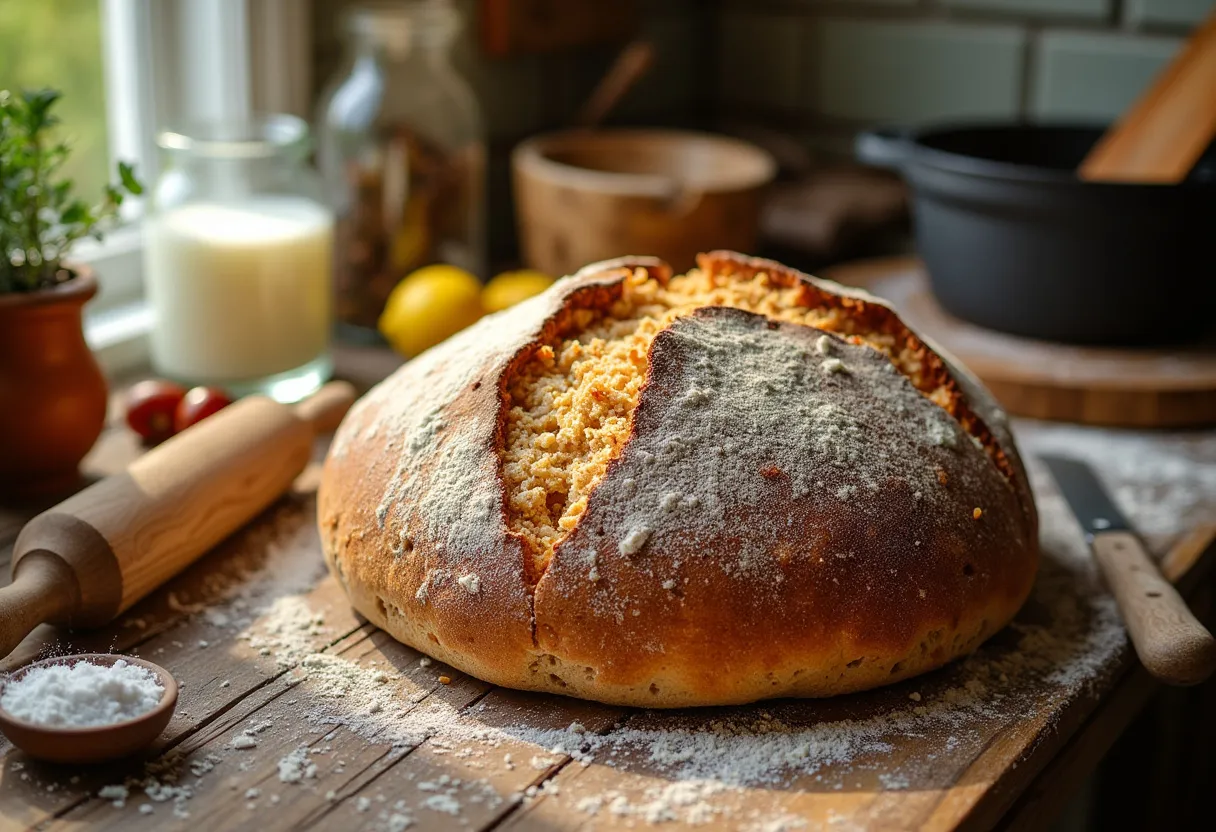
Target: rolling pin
94 555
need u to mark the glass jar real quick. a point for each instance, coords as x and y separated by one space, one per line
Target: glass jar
402 151
238 260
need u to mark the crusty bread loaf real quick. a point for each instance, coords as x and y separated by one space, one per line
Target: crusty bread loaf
732 485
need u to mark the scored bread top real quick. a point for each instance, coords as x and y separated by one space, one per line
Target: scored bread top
796 497
570 403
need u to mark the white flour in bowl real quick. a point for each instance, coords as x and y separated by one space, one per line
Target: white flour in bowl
82 694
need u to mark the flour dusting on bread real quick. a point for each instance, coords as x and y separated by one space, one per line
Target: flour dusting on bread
571 405
789 448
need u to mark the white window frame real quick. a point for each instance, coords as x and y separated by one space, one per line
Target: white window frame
169 61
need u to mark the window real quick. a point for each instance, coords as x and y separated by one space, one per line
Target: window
57 43
128 67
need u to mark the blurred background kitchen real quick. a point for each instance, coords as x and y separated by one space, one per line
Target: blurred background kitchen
798 79
326 186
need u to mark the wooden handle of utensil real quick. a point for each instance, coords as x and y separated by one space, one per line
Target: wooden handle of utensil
324 409
1170 641
125 535
1165 132
43 589
634 61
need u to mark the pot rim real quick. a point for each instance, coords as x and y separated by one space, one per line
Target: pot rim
80 288
532 157
921 154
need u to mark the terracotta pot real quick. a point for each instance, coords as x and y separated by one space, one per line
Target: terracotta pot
583 196
52 393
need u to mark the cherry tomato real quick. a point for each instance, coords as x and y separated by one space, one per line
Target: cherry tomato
198 404
151 408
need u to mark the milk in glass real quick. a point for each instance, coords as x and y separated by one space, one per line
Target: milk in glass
240 291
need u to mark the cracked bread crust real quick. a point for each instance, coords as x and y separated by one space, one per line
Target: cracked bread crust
845 579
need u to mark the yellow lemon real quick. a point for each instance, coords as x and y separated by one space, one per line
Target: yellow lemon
509 288
429 305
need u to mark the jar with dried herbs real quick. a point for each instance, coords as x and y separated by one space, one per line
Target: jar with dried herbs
402 149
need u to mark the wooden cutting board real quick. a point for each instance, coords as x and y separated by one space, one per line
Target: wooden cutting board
1093 385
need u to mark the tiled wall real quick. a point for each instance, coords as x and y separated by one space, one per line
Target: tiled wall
826 67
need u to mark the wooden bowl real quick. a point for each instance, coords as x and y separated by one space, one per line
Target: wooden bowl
588 195
97 743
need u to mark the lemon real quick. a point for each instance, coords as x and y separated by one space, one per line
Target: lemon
429 305
509 288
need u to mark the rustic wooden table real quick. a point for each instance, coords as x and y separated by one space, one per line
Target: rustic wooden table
295 713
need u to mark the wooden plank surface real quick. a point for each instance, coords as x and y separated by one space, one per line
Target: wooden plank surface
268 650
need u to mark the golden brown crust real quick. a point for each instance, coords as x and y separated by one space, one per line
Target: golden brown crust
841 583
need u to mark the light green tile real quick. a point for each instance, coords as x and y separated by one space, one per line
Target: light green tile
1040 8
759 59
915 72
1179 12
1094 76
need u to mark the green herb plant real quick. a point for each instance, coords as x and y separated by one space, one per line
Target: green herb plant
40 217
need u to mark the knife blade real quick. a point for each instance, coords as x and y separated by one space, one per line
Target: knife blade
1093 507
1170 641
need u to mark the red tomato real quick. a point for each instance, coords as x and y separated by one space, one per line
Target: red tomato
151 408
198 404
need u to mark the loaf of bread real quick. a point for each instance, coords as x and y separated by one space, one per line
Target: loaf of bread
725 486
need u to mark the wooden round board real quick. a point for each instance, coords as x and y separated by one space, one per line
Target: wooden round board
1173 387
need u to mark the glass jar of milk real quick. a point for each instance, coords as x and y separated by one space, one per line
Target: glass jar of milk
238 260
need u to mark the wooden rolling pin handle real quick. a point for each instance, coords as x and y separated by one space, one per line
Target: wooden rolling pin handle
1170 641
325 409
43 588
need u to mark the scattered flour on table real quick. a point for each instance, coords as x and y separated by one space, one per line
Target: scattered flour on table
264 603
115 794
297 766
82 694
162 782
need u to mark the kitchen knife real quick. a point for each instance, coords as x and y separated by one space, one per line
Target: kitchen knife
1170 641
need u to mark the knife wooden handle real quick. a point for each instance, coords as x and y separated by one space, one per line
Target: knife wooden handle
1170 641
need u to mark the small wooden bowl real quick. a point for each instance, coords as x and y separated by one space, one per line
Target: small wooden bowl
588 195
96 743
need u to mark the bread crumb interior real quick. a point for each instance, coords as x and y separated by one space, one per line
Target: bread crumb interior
571 403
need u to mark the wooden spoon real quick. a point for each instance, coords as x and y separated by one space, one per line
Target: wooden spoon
634 61
1165 132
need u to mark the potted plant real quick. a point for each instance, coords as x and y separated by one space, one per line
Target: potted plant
52 393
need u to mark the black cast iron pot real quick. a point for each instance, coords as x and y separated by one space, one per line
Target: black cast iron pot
1014 241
